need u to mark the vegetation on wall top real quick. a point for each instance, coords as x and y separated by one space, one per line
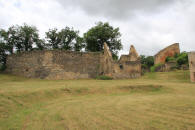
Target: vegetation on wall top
180 59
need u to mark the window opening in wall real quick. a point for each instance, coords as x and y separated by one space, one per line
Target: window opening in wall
121 67
191 63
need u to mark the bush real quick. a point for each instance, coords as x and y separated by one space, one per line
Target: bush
182 59
103 77
168 59
144 66
156 67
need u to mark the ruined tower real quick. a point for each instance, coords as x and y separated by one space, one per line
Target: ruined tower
133 54
191 57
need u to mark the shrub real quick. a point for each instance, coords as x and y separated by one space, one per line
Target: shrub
182 59
144 66
152 69
103 77
168 59
156 67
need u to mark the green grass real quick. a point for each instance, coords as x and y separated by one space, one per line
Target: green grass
155 101
103 77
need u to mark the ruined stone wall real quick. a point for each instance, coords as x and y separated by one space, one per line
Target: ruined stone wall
191 57
170 66
54 64
128 69
106 62
128 66
171 50
25 64
58 64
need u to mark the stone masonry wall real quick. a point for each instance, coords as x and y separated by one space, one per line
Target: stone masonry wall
54 64
191 57
58 64
171 50
129 66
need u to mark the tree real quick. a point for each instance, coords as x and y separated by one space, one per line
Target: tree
66 39
147 62
79 45
27 37
143 59
40 45
182 58
2 56
3 48
8 38
52 37
17 39
21 38
103 32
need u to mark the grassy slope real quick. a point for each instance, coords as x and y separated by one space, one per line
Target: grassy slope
156 101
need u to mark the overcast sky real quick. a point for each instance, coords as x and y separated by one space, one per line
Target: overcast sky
150 25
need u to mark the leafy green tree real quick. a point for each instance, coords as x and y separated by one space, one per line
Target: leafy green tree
147 62
27 37
182 58
79 45
3 55
9 39
3 48
103 32
53 39
21 38
150 61
143 59
66 39
40 45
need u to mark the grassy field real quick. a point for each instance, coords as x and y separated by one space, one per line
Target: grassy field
155 101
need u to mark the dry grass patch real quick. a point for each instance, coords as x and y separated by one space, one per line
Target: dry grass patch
155 101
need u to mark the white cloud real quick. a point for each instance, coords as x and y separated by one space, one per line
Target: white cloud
150 25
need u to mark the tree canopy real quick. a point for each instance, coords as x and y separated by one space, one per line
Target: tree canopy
147 61
103 32
66 39
180 59
22 38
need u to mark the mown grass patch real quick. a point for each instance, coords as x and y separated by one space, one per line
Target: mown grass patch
155 101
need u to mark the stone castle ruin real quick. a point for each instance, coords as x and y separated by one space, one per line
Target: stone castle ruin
59 64
191 57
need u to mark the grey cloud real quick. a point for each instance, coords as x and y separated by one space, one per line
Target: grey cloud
157 24
117 8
